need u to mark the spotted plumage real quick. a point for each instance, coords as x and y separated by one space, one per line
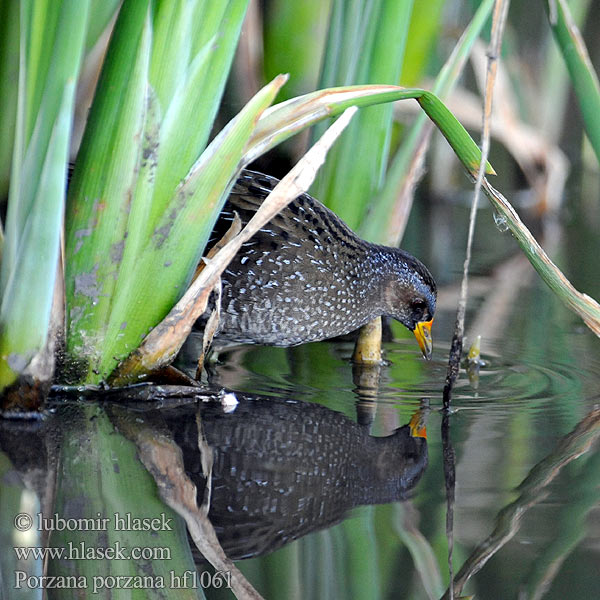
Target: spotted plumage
306 276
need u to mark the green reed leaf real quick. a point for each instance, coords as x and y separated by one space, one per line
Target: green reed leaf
377 227
288 118
366 45
582 72
99 198
36 199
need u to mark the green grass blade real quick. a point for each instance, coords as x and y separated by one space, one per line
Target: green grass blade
332 45
346 40
171 47
14 218
35 129
208 20
581 304
177 146
27 296
453 131
294 39
373 53
425 24
345 46
582 73
36 199
39 34
139 228
101 12
374 227
100 192
9 78
219 28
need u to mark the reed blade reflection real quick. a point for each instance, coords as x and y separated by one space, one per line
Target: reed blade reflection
532 490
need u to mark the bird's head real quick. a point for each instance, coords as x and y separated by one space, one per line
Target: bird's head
410 296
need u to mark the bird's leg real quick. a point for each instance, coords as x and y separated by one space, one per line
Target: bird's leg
367 350
366 369
210 329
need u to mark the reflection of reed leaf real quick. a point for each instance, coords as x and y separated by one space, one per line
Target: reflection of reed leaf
283 469
27 475
533 490
33 465
421 551
570 529
80 468
163 459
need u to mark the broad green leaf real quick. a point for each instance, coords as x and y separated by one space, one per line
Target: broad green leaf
9 80
582 72
208 21
175 144
169 257
219 29
27 295
100 193
137 149
101 12
40 20
35 129
171 47
36 200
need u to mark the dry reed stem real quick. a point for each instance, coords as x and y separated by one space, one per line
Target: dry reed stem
498 23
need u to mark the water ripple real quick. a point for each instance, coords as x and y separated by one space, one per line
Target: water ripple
501 379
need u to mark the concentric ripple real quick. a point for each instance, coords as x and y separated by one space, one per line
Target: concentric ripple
502 378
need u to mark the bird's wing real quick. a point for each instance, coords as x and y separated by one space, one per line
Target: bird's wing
305 222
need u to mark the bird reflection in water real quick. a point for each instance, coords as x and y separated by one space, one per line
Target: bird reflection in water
283 469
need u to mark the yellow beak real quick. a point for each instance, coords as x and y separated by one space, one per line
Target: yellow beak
423 334
417 425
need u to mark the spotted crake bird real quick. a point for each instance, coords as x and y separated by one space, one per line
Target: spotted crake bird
305 276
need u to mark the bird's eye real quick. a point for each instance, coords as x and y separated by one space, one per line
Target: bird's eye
418 309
